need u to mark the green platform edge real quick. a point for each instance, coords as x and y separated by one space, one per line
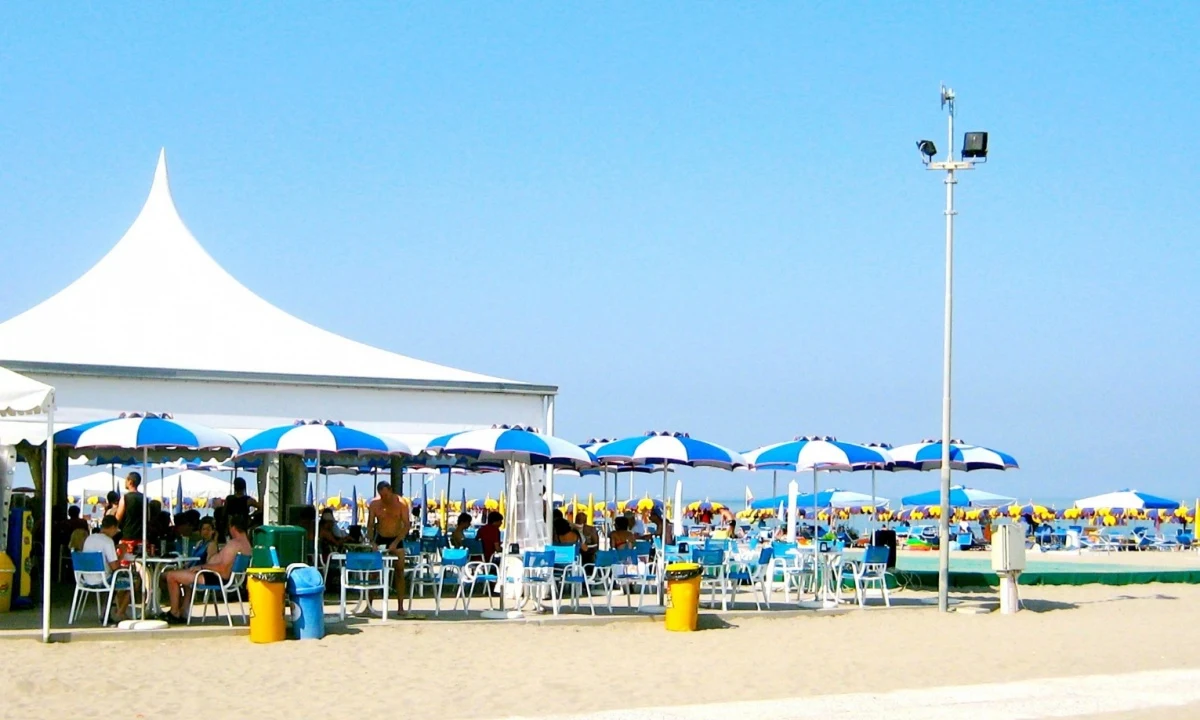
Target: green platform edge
928 579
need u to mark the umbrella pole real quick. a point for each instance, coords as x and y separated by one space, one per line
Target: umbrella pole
817 541
662 531
874 510
774 483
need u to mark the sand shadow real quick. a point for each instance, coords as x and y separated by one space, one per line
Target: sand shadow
1044 606
713 622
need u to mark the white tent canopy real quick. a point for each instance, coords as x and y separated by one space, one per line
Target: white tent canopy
20 395
195 484
97 483
159 278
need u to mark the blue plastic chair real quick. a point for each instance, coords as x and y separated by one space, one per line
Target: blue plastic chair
454 563
603 572
89 566
538 571
363 572
203 585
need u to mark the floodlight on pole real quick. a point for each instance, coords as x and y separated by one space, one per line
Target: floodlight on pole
974 150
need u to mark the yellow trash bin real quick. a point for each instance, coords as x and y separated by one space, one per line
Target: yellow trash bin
8 573
683 596
266 586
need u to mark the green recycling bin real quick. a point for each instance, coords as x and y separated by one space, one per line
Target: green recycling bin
290 543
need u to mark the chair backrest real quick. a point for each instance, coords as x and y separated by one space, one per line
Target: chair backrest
241 563
455 556
708 558
564 554
766 555
87 562
782 549
606 558
364 561
430 531
474 547
875 555
412 547
642 548
627 556
470 532
965 539
539 560
430 545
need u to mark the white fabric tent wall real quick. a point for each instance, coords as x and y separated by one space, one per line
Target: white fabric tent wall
22 396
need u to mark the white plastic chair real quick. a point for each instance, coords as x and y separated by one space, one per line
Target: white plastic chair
225 586
538 572
92 563
755 574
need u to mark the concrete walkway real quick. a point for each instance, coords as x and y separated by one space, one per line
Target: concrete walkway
1148 694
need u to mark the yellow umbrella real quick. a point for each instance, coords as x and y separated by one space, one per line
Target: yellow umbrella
490 504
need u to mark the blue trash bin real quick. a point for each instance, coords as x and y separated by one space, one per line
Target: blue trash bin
306 592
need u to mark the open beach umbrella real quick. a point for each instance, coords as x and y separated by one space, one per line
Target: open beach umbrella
817 453
1127 499
321 439
665 449
354 505
157 435
927 455
960 497
517 447
179 495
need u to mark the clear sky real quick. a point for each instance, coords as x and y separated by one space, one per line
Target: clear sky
707 217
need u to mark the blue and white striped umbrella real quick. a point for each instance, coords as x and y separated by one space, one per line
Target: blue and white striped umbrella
516 443
817 453
146 432
832 498
325 438
1128 499
668 449
960 496
320 440
927 455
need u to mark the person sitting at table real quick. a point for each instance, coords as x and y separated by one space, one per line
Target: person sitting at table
331 539
458 536
564 534
221 563
102 542
621 538
589 539
489 536
656 517
206 546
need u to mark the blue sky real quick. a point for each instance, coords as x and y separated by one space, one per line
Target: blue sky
706 217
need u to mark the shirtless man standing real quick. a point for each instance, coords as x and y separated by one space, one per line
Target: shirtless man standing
388 522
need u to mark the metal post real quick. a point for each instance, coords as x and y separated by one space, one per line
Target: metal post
944 520
47 524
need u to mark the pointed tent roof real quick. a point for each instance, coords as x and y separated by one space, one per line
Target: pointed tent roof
181 286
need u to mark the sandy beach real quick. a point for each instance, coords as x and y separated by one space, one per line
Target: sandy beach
455 669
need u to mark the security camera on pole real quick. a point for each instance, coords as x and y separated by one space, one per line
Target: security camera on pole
974 150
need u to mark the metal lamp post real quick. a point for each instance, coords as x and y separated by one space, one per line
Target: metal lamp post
974 150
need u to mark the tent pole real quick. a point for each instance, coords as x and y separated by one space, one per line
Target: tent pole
47 522
145 565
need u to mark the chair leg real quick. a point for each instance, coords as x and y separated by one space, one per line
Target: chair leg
108 605
342 598
191 604
74 600
386 586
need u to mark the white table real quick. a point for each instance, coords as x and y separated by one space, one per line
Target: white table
157 567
